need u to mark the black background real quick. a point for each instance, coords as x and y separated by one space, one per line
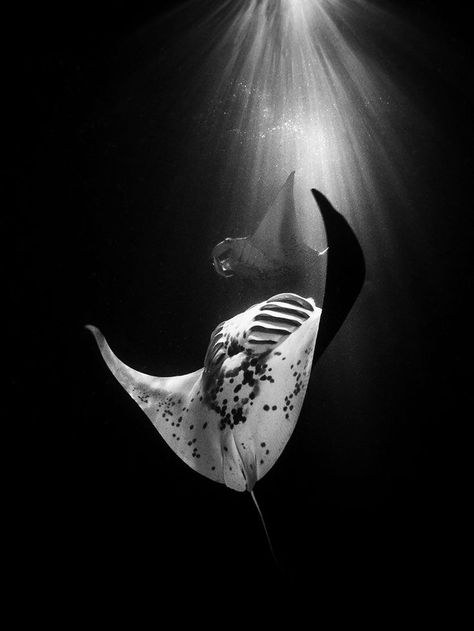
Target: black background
102 509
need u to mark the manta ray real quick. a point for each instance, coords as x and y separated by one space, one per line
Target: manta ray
231 419
275 255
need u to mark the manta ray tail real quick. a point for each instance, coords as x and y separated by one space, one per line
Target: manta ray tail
264 528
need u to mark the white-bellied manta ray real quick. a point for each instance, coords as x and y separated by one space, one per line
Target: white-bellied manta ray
231 419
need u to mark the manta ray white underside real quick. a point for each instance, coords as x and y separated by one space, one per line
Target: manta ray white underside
231 419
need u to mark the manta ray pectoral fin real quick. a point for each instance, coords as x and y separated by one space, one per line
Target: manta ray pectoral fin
144 389
344 275
176 408
279 226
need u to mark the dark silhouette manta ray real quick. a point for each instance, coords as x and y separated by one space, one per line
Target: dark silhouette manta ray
231 419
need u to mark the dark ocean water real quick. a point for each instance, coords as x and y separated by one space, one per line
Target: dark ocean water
112 216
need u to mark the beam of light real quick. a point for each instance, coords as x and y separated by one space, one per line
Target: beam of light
293 88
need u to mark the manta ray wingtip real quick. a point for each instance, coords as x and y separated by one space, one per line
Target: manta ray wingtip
318 196
327 210
98 335
93 329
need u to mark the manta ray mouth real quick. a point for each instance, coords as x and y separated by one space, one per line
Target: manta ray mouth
222 263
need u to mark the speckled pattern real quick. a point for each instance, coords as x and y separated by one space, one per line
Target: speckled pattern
231 420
